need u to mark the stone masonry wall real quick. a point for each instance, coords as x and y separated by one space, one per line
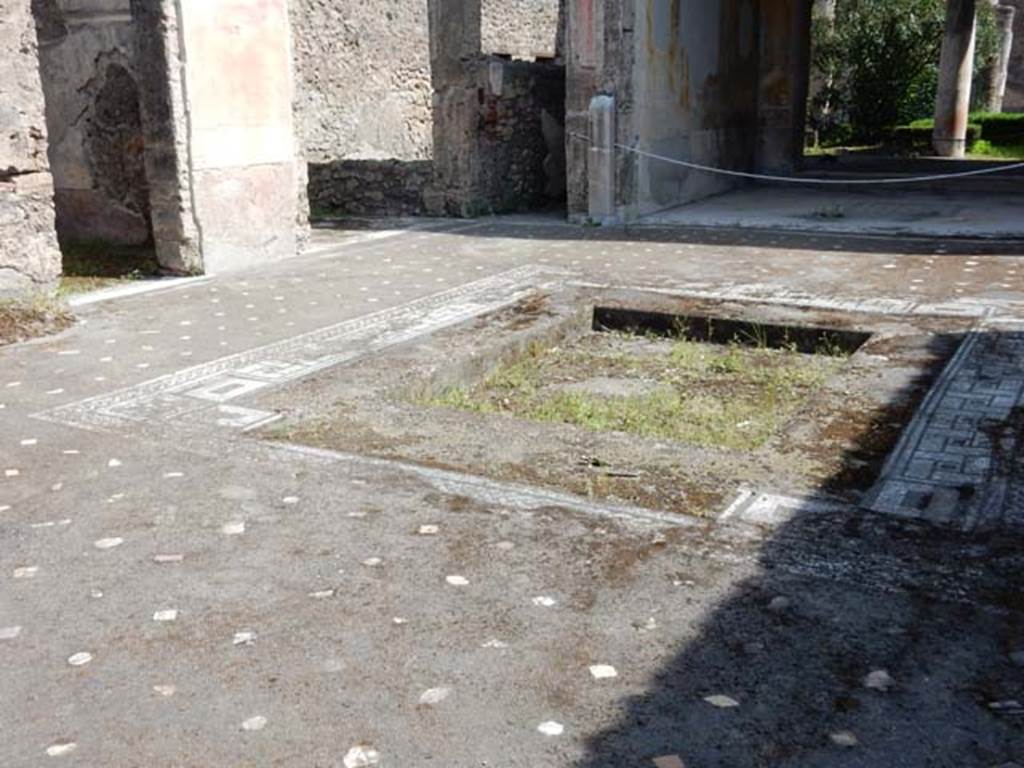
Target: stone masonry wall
29 257
521 141
94 120
363 79
369 187
159 64
364 94
522 29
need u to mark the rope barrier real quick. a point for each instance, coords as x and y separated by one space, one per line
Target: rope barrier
797 180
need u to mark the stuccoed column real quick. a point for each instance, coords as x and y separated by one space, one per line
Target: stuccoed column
999 73
956 69
601 164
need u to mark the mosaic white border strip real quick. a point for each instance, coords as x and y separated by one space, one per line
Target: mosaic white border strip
136 289
194 395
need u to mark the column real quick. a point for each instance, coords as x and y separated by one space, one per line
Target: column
216 79
455 43
785 51
1000 70
956 69
601 161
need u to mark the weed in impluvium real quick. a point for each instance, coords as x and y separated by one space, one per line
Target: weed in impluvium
756 337
666 413
518 376
732 361
688 356
733 397
830 346
460 398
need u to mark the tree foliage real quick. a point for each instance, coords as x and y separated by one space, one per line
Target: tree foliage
876 65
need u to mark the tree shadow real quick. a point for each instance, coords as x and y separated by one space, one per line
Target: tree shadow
837 596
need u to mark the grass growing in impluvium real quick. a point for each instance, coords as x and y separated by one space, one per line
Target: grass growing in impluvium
734 396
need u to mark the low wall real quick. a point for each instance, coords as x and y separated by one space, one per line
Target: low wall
369 187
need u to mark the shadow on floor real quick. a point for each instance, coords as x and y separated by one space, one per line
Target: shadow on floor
91 266
839 597
553 226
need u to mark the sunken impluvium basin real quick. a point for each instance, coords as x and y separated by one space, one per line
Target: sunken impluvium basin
666 403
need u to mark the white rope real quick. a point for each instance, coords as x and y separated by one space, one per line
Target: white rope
797 180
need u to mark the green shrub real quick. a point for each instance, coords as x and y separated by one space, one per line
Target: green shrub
876 66
1000 127
917 137
995 127
835 135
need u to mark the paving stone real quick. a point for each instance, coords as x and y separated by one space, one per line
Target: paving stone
879 680
844 739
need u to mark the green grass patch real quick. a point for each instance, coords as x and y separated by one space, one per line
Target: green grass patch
696 419
986 150
21 320
733 396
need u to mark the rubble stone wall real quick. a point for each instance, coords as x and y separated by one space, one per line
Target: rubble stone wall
521 142
522 29
363 79
369 187
29 257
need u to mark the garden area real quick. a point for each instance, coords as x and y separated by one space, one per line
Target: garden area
875 75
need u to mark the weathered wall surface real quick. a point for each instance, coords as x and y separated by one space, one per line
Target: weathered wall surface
784 42
241 130
721 84
1014 101
695 78
523 29
364 104
94 120
29 257
363 79
520 146
369 187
